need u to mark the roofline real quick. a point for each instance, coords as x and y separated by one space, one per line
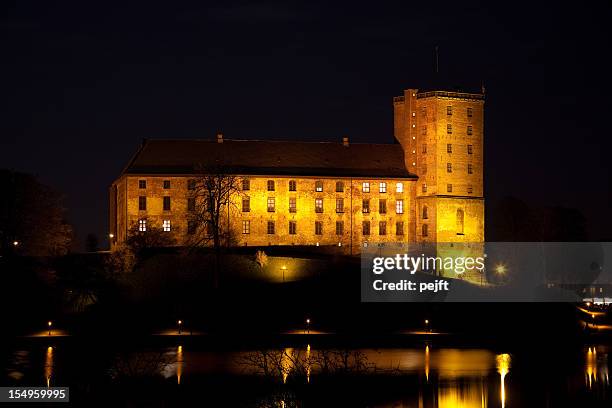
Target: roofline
410 177
134 156
263 140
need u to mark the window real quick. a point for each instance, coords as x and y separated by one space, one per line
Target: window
142 183
246 204
424 188
470 169
449 110
318 205
469 149
246 227
292 185
166 225
166 184
191 184
142 225
339 205
469 112
424 130
365 187
339 227
424 230
318 228
449 129
399 187
424 215
399 206
449 167
292 227
382 228
459 221
191 227
399 228
449 148
246 184
271 204
382 206
191 204
318 186
365 207
382 188
339 186
142 203
292 204
470 190
449 188
270 228
424 149
166 203
270 185
366 228
469 130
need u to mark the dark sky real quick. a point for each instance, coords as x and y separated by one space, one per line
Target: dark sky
82 83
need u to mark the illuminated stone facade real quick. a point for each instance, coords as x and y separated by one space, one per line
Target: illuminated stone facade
368 192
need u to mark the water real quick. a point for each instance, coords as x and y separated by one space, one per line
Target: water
302 375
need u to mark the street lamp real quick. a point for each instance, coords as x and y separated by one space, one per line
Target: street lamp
180 326
283 268
427 325
15 243
308 326
49 324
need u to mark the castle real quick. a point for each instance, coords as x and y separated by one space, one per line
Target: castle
428 187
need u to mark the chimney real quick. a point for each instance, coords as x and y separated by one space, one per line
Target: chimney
345 141
219 137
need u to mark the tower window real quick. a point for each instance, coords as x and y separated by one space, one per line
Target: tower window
469 112
424 148
318 205
366 228
292 227
449 129
469 130
449 188
270 185
424 169
319 186
339 227
142 203
292 185
424 230
424 130
292 204
166 184
271 204
382 228
142 225
339 187
365 187
470 149
424 188
246 227
399 207
399 228
142 183
246 204
339 205
470 169
246 184
470 190
318 228
449 148
166 225
365 207
382 187
424 215
382 206
270 228
399 187
166 203
449 110
449 167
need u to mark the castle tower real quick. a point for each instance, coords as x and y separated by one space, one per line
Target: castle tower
442 137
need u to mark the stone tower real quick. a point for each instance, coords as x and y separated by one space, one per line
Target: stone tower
442 137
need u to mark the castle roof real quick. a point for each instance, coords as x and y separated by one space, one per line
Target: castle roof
257 157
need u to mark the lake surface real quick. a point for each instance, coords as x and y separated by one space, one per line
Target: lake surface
418 376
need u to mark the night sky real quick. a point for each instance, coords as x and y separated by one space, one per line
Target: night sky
83 84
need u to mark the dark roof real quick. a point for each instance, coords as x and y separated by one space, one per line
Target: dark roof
270 157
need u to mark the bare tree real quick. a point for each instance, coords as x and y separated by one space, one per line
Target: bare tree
211 191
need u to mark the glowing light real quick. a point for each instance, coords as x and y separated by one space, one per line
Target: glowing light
180 326
111 236
427 362
500 269
15 243
284 268
49 324
503 367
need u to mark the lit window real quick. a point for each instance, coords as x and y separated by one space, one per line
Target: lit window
318 205
319 186
318 228
382 228
470 170
424 230
470 190
191 184
424 148
382 206
142 225
469 149
399 228
339 187
339 227
469 130
424 216
246 184
166 225
142 183
142 203
469 112
449 110
449 188
365 207
449 148
246 227
399 206
366 227
365 187
166 184
191 204
292 204
339 205
270 185
413 114
271 204
449 129
292 185
270 228
166 203
399 187
382 188
292 227
449 167
246 204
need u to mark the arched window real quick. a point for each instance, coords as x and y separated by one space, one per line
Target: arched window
424 230
425 213
460 221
